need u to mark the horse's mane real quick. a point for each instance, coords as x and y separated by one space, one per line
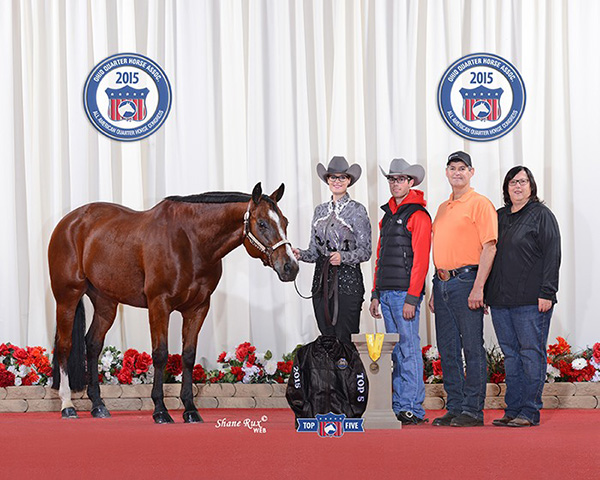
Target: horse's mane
217 197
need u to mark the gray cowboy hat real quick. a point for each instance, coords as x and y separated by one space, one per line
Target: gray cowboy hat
339 165
399 166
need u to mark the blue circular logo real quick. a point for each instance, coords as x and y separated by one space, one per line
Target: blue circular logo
481 97
127 97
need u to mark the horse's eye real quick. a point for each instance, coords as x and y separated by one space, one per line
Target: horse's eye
262 225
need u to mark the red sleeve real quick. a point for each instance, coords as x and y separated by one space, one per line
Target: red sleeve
377 259
419 224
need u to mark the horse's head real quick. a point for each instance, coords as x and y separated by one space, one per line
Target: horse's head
265 237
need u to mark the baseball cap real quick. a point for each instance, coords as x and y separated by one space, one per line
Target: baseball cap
460 156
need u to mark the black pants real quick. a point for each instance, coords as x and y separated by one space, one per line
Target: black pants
348 320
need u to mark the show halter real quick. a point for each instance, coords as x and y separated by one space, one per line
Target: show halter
268 251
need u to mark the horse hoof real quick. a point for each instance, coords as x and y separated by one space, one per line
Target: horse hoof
192 417
100 412
68 412
162 417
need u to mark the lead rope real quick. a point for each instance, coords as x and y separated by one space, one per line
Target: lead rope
331 320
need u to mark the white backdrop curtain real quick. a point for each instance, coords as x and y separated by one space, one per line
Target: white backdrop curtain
262 91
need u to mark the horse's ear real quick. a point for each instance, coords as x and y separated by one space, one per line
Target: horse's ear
256 193
277 194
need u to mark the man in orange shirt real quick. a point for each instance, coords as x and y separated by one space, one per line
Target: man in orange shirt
399 284
465 231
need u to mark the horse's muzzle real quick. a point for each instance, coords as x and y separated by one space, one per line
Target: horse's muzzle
287 269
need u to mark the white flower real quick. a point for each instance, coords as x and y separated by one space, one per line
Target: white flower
271 366
18 381
230 356
179 377
552 372
19 371
136 381
107 360
250 373
596 377
432 354
594 363
579 363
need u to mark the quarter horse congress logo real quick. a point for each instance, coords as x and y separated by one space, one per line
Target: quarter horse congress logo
481 97
127 97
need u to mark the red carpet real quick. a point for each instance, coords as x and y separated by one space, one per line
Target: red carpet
130 445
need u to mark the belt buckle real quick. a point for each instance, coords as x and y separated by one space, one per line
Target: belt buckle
443 275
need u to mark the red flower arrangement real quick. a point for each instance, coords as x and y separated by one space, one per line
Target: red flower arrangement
7 379
596 352
245 365
432 365
135 365
566 366
20 366
198 374
559 348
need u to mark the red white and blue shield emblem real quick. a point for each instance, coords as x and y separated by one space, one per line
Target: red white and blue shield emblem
481 103
330 425
127 103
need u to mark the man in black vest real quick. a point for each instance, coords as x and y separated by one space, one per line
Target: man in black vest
399 284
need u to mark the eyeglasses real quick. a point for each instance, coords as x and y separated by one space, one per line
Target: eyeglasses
337 178
514 181
400 179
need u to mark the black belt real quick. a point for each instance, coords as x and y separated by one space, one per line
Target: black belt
445 275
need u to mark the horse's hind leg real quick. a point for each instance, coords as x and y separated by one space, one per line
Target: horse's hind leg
191 327
69 315
105 311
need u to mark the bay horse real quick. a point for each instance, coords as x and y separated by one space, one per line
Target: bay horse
165 259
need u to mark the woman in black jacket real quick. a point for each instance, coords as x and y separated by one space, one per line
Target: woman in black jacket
521 291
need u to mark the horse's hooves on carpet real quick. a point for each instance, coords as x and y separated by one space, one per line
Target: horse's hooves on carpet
68 412
100 412
162 417
192 417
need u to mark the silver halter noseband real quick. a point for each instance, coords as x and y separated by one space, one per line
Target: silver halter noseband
268 251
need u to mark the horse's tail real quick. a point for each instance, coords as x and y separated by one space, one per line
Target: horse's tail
76 362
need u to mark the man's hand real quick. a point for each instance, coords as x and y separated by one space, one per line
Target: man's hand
335 258
296 253
476 298
544 305
374 308
431 304
408 311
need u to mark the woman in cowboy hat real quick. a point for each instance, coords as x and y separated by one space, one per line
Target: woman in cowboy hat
340 240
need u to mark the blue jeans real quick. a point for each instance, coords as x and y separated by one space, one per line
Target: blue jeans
522 334
407 377
458 329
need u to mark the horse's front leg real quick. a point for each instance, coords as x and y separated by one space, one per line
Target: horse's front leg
192 321
159 326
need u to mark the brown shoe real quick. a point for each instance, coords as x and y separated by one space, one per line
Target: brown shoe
502 422
520 422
